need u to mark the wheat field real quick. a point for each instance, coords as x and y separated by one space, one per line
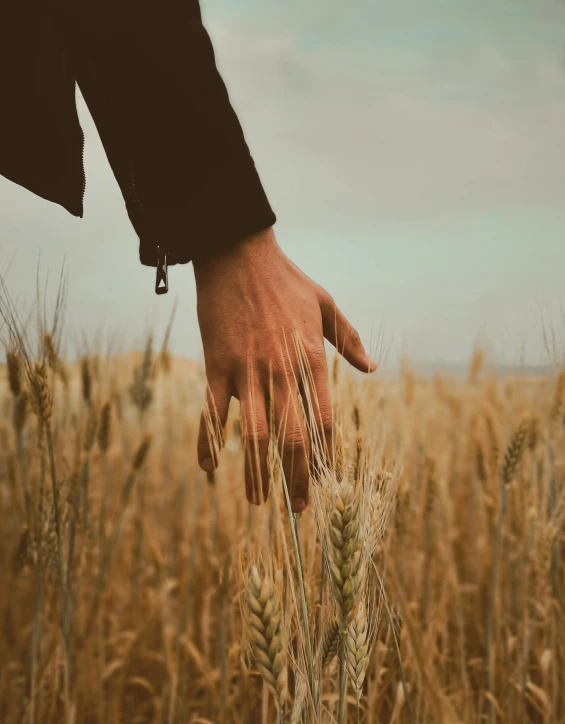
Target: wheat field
424 583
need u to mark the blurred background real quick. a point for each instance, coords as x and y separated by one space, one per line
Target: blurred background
414 152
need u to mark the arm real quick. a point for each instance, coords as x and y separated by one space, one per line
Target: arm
179 154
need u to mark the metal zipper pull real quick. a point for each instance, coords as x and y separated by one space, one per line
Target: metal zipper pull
162 277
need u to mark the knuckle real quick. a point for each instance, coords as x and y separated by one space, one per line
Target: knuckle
258 437
317 357
279 373
217 366
354 337
325 298
242 365
293 441
250 370
255 432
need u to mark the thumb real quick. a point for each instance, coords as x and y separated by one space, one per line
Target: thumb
344 337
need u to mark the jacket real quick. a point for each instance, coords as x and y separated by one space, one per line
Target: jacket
148 75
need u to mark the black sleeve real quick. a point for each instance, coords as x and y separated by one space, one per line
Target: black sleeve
148 75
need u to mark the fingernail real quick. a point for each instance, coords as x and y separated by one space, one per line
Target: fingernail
207 464
373 366
298 505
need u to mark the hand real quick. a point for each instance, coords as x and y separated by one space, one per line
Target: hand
249 300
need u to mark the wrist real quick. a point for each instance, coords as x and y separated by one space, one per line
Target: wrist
241 253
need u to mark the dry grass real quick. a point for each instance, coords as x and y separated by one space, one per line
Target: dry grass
134 588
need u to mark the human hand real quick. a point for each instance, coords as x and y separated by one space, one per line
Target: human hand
248 300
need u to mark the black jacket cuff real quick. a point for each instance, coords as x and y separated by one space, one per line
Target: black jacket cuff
219 211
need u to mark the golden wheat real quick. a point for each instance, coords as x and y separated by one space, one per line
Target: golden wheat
119 600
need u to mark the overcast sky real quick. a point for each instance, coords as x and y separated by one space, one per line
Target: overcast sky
413 151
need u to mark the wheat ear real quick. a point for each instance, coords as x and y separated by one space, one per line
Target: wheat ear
357 648
266 633
346 561
330 642
345 565
14 364
514 453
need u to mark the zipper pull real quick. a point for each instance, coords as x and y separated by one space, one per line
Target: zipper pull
162 277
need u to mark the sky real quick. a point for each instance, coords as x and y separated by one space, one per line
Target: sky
413 151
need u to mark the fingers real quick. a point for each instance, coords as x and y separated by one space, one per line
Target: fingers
293 443
212 422
255 442
299 456
343 336
321 409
